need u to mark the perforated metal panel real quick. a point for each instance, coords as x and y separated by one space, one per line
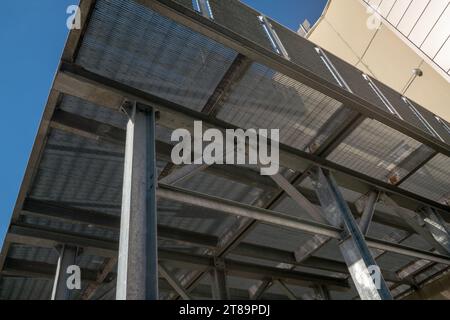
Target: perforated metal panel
25 289
35 288
302 52
270 100
136 46
186 3
241 19
28 253
80 229
432 180
378 151
79 170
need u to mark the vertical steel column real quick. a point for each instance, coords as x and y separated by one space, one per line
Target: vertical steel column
353 247
369 210
137 277
219 281
67 258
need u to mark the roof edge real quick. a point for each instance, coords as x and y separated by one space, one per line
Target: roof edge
322 16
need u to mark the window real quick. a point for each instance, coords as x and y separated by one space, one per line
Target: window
196 6
443 123
337 76
203 7
382 97
273 37
422 119
208 8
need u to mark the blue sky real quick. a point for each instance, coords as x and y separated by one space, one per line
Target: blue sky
33 34
290 13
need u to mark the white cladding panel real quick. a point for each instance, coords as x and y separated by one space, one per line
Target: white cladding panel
424 23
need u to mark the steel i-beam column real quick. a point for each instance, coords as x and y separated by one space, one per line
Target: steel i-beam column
67 257
219 280
360 263
137 277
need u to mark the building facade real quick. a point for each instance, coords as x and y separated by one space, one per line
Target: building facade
404 44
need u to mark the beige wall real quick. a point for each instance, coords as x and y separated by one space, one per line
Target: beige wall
343 30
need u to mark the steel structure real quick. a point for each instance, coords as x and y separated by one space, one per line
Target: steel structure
364 182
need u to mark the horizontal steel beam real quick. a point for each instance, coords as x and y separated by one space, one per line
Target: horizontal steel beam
87 128
37 236
98 219
287 257
238 209
59 211
194 238
49 238
41 237
197 239
234 73
40 270
94 129
251 271
203 291
55 210
76 81
283 220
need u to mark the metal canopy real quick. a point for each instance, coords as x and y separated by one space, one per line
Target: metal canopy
244 229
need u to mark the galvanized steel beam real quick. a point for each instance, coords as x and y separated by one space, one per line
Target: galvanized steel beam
283 220
353 247
67 258
137 276
252 271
